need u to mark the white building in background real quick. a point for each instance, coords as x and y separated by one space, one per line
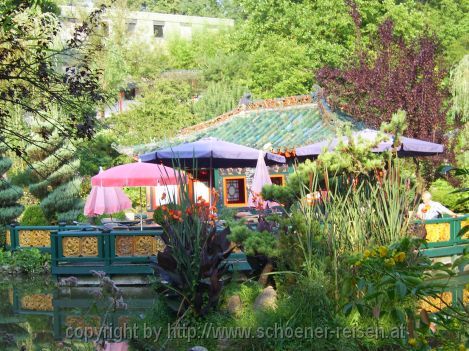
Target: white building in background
148 27
142 27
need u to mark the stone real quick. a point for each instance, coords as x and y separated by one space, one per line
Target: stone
266 299
198 348
233 304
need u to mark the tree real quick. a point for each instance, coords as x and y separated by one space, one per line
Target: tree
164 109
460 90
39 70
218 98
398 76
10 209
53 173
279 67
208 8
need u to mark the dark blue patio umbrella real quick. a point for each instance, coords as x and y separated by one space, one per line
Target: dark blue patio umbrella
210 153
408 147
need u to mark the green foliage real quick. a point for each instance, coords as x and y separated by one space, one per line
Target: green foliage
389 281
279 67
33 215
444 192
26 260
263 243
160 113
352 155
206 8
10 209
97 152
218 98
160 215
460 89
192 261
53 173
254 243
280 194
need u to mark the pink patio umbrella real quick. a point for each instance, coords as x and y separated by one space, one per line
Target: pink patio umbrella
261 178
108 200
137 174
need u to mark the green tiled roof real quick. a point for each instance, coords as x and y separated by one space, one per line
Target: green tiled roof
278 128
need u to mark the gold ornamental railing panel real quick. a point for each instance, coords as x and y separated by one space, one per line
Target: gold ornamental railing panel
437 303
141 245
37 302
34 238
86 246
437 232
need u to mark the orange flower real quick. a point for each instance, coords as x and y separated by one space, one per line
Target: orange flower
426 208
189 211
164 208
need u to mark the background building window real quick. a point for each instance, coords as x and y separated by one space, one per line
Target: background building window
277 179
234 191
131 25
158 30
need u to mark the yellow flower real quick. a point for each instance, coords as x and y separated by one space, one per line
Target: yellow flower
462 347
383 251
367 253
358 263
412 342
399 257
390 262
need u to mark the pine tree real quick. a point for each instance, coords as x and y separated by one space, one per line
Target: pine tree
10 209
53 174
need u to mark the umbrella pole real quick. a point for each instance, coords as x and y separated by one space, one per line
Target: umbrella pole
210 185
141 210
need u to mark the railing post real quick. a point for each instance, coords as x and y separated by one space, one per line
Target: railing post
53 249
107 243
13 236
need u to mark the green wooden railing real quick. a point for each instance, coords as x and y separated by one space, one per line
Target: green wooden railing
443 236
24 236
77 252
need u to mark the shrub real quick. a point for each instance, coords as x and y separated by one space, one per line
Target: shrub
442 191
34 215
30 260
26 260
389 282
193 258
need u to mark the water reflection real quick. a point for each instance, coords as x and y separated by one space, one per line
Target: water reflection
37 315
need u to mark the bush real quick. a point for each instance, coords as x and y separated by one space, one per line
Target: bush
253 242
441 191
30 260
27 260
34 215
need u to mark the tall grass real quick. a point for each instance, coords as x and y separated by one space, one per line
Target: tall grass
354 215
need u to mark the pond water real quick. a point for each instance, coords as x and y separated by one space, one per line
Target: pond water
37 315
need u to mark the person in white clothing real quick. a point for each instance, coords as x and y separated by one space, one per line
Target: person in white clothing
429 209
